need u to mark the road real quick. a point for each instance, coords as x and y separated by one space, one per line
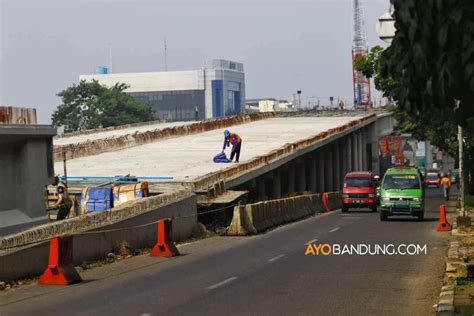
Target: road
264 274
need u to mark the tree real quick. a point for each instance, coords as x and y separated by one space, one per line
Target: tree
369 65
429 67
91 105
432 56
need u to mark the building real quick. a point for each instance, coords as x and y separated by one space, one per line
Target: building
268 105
27 166
213 91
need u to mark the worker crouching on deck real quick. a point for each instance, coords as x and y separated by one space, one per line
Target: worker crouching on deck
236 141
64 203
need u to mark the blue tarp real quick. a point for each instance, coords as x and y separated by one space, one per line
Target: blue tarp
98 199
221 157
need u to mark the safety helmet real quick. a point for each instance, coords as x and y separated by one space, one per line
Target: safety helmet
226 133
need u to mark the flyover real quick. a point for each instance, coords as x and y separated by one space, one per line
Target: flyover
312 153
282 155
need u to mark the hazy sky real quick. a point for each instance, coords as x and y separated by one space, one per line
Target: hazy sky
285 45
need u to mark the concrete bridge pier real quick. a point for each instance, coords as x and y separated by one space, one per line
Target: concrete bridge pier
311 174
290 179
348 153
276 183
355 156
373 145
328 168
261 192
337 170
301 175
320 171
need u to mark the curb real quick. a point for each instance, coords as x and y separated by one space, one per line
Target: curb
445 306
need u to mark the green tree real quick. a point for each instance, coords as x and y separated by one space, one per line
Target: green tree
432 56
91 105
369 65
431 63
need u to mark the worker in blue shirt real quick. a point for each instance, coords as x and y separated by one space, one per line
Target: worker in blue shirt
236 141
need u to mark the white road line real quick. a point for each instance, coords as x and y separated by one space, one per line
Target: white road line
276 258
334 229
146 314
215 286
311 242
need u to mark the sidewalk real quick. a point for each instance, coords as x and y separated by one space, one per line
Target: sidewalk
457 293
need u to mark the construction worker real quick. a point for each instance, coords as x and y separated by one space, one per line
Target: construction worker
236 141
445 184
64 203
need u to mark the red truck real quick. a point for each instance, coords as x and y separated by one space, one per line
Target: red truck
359 191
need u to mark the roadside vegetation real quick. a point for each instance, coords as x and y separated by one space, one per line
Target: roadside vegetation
428 71
91 105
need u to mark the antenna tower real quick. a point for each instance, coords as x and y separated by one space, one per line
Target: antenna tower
361 84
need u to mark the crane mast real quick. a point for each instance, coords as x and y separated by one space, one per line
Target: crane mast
361 84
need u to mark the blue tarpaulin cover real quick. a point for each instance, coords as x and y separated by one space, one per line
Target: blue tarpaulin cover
221 157
98 199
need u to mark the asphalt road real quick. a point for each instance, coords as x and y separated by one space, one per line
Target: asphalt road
265 274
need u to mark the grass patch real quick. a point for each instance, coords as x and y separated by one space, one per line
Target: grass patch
468 281
469 202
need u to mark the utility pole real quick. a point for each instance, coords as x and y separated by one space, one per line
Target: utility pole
110 59
166 57
461 169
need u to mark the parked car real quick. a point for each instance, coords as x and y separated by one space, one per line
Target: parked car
359 191
402 193
432 179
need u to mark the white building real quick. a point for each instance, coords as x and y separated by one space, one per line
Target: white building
269 105
213 91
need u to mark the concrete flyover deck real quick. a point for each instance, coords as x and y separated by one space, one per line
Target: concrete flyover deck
189 157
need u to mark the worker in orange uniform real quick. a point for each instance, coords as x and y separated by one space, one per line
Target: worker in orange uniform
445 184
236 141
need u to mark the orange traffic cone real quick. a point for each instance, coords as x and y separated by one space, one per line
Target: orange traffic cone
443 225
164 246
60 270
325 202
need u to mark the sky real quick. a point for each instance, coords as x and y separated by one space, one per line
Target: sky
285 45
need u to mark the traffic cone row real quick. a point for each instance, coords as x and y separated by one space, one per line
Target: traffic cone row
61 270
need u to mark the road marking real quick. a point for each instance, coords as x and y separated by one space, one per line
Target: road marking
215 286
146 314
276 258
311 242
334 229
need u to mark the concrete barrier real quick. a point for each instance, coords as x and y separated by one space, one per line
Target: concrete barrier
94 147
254 218
99 240
334 200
